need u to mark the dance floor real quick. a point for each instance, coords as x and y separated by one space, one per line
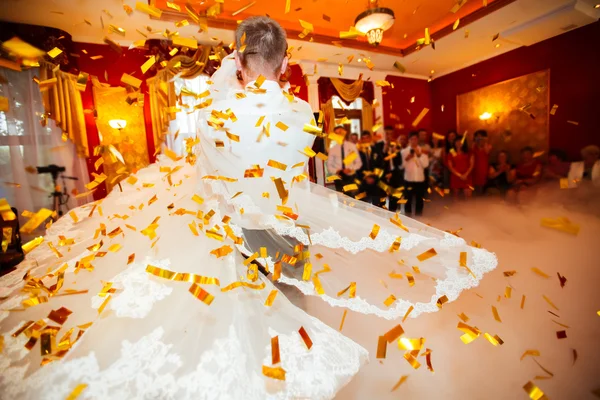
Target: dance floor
480 370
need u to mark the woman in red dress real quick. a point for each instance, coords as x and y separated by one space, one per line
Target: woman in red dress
461 164
481 153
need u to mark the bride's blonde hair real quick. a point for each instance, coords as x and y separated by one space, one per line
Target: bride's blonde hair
264 45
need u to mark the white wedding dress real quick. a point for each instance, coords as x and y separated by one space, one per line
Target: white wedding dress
147 294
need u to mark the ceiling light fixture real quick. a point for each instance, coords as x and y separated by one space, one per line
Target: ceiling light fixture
374 21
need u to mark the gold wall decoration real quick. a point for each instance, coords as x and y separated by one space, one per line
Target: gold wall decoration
517 113
111 103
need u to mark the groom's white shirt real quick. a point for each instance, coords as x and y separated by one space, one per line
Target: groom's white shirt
261 141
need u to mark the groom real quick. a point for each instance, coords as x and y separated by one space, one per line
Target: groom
260 60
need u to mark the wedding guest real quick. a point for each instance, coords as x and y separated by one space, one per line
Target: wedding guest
481 153
424 141
448 150
354 138
335 164
461 164
528 170
500 175
436 162
394 174
389 138
587 170
556 168
372 168
402 141
415 163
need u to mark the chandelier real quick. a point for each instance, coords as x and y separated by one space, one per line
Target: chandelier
373 21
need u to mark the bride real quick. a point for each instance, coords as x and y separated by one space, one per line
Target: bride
155 291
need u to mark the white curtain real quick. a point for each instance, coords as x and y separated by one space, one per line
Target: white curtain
186 120
25 143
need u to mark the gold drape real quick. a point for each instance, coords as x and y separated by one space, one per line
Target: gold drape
348 92
367 115
161 89
62 103
130 141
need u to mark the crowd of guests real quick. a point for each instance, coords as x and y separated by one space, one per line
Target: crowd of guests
387 172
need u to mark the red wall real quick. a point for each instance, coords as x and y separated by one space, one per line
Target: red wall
397 108
573 59
114 65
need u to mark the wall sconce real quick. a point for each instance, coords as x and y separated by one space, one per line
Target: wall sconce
485 116
117 124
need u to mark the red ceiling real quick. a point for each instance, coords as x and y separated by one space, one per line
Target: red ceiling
412 16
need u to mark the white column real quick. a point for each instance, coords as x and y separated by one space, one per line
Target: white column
313 92
379 107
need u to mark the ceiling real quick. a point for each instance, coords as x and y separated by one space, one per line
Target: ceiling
330 17
519 23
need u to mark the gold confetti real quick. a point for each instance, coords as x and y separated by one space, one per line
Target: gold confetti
281 126
522 302
394 333
496 315
274 373
305 337
550 302
222 251
573 123
403 379
238 284
456 23
77 391
131 81
532 353
343 320
185 42
509 273
534 392
412 360
495 340
148 9
271 299
55 52
427 255
277 165
201 294
381 347
259 81
540 272
561 224
421 115
390 300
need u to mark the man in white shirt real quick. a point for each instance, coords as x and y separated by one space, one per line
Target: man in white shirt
335 162
415 163
254 135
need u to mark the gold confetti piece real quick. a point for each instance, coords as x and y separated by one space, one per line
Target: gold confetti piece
412 360
466 33
104 303
421 115
496 315
441 301
148 9
390 300
305 337
259 81
509 273
411 279
277 165
394 333
281 126
573 123
271 299
350 187
77 391
148 64
238 284
522 302
561 224
275 356
540 272
343 320
534 392
427 255
201 294
456 23
222 251
185 42
318 287
131 81
274 373
403 379
313 130
55 52
532 353
550 302
495 340
381 347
